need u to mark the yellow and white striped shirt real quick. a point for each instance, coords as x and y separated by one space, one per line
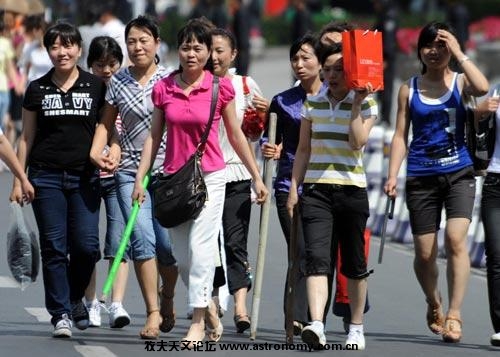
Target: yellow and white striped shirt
332 160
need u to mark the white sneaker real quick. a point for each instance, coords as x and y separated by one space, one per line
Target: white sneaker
118 317
62 329
495 339
355 340
94 308
314 335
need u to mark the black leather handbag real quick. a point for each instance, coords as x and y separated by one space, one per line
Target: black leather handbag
180 196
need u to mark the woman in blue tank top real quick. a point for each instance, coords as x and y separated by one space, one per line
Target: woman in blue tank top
439 168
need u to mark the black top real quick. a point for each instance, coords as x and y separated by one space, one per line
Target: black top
65 122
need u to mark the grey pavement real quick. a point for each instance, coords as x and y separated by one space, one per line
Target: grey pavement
395 324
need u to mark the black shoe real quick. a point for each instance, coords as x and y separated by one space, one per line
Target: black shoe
80 314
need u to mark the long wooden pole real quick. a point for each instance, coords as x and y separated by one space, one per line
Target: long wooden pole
263 228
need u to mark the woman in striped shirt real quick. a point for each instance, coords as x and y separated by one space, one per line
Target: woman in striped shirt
334 202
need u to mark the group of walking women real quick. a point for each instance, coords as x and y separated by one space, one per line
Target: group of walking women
143 118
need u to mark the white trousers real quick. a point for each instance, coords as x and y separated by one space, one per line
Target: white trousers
195 243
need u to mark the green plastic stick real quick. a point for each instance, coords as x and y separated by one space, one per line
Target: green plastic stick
123 244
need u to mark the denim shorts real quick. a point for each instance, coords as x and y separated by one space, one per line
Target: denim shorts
426 196
4 106
149 239
115 223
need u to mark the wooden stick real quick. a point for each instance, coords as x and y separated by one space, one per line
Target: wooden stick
263 228
293 267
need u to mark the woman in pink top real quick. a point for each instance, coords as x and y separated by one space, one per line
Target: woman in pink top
182 104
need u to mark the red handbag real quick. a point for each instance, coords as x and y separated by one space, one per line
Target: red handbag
254 121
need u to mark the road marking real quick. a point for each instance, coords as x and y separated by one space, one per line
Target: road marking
40 313
94 351
8 282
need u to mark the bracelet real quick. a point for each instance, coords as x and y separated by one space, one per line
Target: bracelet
464 58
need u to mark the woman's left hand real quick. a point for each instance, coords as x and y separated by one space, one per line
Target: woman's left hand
361 93
261 191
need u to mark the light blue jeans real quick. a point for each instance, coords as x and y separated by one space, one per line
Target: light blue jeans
149 239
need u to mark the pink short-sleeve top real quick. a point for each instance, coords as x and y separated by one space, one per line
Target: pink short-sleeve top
186 117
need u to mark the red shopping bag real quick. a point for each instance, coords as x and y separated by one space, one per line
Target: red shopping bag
363 58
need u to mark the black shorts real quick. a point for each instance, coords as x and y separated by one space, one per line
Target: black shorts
332 215
426 196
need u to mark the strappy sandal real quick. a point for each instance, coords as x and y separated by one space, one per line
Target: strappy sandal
150 332
435 317
452 329
214 333
191 343
167 312
242 322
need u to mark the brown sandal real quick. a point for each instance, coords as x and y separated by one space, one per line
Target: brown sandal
167 312
435 317
149 332
452 329
242 323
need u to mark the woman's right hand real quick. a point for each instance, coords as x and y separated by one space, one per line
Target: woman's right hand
138 194
489 105
390 187
293 199
271 151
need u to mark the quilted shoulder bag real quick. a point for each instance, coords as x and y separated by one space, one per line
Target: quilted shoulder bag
180 196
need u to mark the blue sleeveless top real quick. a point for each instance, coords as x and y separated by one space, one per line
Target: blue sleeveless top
438 127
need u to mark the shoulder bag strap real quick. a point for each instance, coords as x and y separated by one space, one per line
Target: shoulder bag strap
215 96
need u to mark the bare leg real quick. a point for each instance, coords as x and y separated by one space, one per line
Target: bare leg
317 295
240 302
120 284
425 266
357 298
169 279
196 331
147 276
458 263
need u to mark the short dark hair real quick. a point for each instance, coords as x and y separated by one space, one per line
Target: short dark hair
144 22
102 47
335 26
309 39
197 30
327 51
67 33
148 23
